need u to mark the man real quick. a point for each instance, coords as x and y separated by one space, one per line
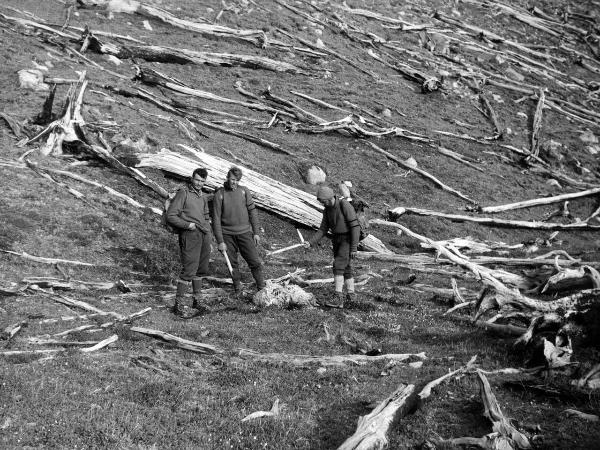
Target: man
340 218
235 225
189 214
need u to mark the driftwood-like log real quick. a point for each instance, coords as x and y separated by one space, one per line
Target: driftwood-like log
10 331
537 124
106 342
185 344
491 114
74 303
507 433
421 172
426 391
371 431
310 360
43 260
540 201
155 53
13 124
488 221
68 127
583 277
581 415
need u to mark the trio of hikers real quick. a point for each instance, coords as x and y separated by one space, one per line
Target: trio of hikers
235 227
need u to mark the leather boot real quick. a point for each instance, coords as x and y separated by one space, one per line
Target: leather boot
178 308
258 278
197 303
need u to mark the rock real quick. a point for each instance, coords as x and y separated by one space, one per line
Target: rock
32 79
588 137
593 149
313 175
320 44
513 74
411 162
552 150
344 190
386 113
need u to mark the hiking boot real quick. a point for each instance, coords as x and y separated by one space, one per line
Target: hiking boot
182 311
237 290
200 306
335 301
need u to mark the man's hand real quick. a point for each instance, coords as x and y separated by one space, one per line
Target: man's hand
353 254
192 226
222 247
256 239
306 244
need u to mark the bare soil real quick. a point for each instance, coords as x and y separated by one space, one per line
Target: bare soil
141 393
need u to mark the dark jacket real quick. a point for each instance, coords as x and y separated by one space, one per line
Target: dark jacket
234 212
339 219
189 206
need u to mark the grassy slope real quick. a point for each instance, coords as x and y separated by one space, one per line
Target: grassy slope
107 399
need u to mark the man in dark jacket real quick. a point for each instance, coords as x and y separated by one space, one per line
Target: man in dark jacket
235 224
340 218
189 214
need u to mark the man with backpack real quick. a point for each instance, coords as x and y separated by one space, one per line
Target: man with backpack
188 213
235 225
340 218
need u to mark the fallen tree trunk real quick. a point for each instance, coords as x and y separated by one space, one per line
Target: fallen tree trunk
496 222
372 429
185 344
310 360
540 201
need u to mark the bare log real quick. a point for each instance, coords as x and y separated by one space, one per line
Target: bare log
421 172
537 124
74 303
310 360
488 221
185 344
371 431
106 342
43 260
492 116
426 391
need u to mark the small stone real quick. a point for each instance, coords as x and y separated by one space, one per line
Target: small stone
386 113
411 162
321 370
588 137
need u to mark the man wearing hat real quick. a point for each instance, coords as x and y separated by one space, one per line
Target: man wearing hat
340 218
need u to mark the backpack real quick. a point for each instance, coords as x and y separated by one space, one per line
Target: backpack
163 219
363 223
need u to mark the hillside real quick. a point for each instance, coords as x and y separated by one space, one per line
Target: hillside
436 112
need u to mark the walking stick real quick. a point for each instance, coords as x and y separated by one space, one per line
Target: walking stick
228 264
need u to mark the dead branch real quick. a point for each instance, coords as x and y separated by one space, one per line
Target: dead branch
582 415
371 431
491 114
73 303
421 172
426 391
537 124
309 360
10 331
488 221
106 342
185 344
43 260
540 201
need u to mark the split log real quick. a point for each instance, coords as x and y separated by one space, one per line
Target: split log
507 433
583 277
68 127
185 344
537 124
44 341
10 331
106 342
488 221
256 37
371 431
13 124
494 37
56 283
74 303
491 114
155 53
43 260
293 204
540 201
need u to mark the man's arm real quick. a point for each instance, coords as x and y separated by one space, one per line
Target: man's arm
175 209
322 231
252 213
217 210
352 224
